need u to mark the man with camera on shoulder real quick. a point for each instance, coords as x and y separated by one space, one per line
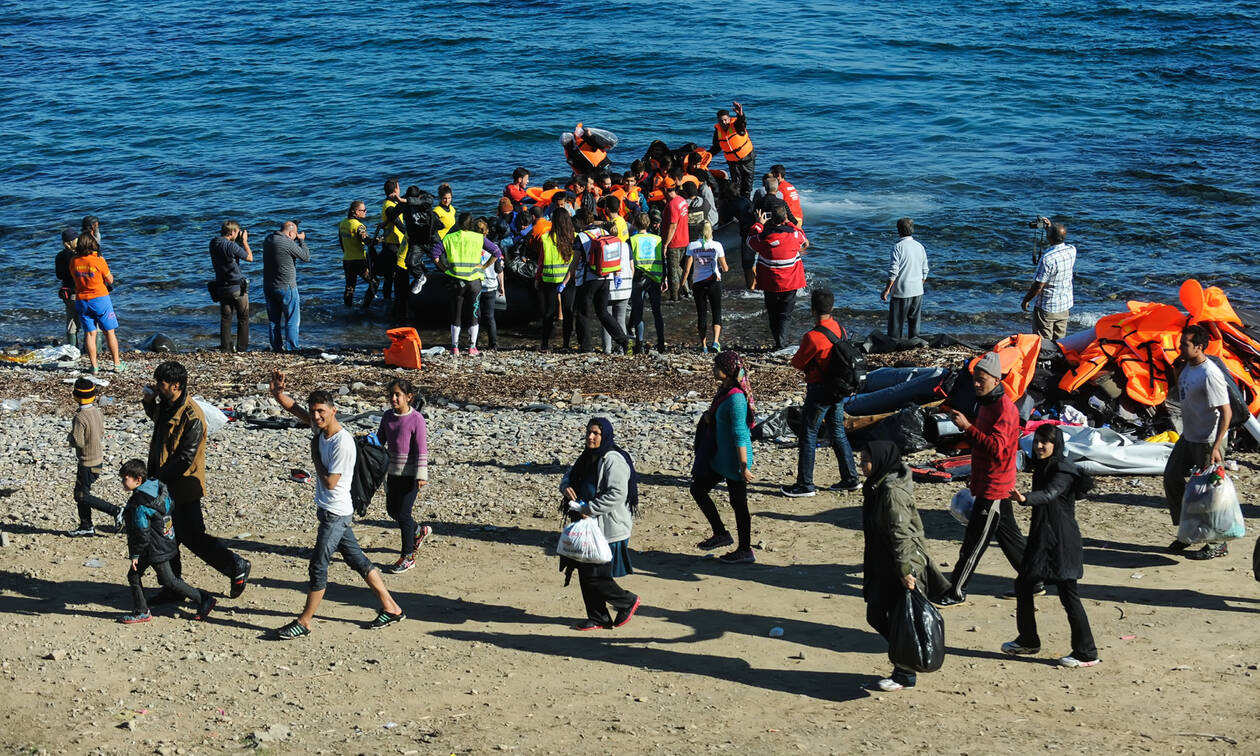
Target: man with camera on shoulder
1051 289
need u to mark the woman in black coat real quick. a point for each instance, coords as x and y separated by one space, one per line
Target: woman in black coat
1053 554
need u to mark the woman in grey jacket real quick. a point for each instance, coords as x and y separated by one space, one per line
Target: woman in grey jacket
603 484
895 554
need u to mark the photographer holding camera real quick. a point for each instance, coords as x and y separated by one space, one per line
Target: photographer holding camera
1051 289
232 288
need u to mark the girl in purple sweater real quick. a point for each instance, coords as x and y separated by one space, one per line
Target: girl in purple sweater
404 435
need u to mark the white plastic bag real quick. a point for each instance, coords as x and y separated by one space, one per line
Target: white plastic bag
960 506
215 419
583 541
1210 511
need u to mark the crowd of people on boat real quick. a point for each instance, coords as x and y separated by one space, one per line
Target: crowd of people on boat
596 251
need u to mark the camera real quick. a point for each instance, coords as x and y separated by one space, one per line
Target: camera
1039 222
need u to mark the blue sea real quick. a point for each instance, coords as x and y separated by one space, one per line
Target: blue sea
1136 124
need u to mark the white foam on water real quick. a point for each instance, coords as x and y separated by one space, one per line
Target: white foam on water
1085 318
818 204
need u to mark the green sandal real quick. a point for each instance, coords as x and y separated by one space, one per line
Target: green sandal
292 630
384 619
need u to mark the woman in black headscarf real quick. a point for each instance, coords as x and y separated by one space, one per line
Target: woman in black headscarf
1053 554
894 554
603 484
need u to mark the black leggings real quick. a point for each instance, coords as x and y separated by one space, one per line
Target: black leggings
400 499
553 303
166 579
463 300
485 316
738 489
353 270
708 296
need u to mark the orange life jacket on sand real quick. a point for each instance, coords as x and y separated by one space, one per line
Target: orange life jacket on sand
1018 355
1094 357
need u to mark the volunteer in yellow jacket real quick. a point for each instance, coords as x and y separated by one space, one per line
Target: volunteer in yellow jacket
458 256
352 235
730 135
445 210
391 261
649 281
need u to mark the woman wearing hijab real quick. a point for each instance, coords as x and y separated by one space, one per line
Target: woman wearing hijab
1053 554
603 484
724 454
894 554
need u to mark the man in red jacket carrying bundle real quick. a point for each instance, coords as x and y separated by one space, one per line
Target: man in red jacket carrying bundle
994 441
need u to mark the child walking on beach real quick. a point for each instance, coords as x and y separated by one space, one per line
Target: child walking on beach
86 430
151 543
405 436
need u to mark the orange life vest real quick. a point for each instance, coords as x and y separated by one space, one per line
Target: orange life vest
593 154
793 200
735 146
1208 304
1018 355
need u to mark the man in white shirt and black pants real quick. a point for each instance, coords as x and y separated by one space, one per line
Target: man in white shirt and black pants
333 453
1204 425
906 274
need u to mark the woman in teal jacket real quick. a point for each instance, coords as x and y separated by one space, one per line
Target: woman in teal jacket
724 454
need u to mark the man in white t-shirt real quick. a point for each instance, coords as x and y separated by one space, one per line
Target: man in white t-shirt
1204 424
333 454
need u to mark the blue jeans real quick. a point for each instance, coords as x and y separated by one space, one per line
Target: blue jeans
283 315
335 534
818 408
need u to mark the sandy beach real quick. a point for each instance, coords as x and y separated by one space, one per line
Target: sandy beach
486 661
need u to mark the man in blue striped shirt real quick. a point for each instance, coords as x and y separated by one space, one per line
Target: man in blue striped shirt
1052 284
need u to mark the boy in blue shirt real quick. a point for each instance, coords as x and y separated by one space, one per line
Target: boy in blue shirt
151 542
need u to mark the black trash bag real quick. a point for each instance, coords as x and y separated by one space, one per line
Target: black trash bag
878 342
944 340
159 343
962 395
916 634
905 429
785 422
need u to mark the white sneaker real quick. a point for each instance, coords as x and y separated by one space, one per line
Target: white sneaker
418 285
888 685
1072 661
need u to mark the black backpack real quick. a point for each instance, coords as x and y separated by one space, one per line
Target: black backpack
370 465
845 370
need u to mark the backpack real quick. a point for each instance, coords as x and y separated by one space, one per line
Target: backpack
604 254
845 370
1238 409
371 462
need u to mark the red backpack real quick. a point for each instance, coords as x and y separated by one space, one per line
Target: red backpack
604 254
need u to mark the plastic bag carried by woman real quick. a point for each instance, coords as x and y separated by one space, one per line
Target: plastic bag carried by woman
584 542
1210 511
916 638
